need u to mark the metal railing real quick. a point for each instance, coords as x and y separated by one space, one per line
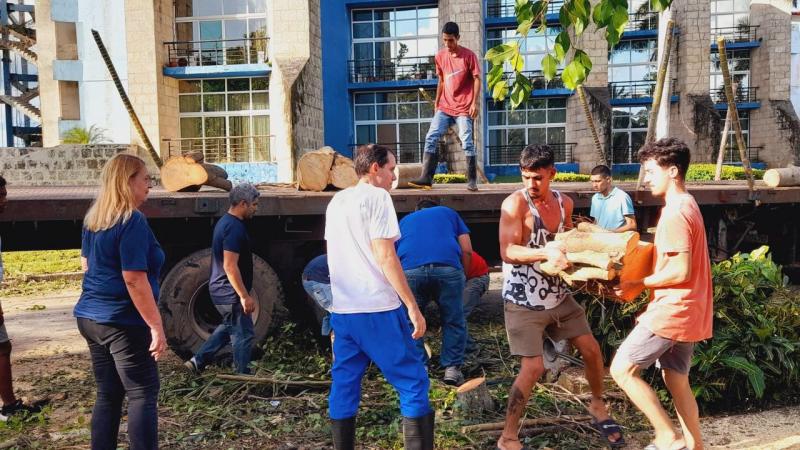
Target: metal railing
406 152
732 154
624 155
636 89
224 149
740 94
371 70
739 33
497 8
505 155
644 21
537 79
217 52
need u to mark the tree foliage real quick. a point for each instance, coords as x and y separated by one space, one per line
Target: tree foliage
574 17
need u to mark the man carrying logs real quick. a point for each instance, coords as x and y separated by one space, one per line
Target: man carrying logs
536 303
681 310
612 208
369 289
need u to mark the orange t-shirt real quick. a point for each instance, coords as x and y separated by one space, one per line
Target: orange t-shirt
682 312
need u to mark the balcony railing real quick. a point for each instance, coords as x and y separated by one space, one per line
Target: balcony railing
224 149
640 22
500 9
371 70
739 33
537 79
406 152
732 154
217 52
508 155
740 94
635 89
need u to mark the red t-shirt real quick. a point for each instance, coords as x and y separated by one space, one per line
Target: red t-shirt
477 266
682 312
457 74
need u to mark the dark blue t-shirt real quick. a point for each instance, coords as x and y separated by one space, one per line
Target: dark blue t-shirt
229 234
431 236
317 270
129 246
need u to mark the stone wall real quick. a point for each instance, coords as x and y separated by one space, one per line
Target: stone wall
307 124
62 165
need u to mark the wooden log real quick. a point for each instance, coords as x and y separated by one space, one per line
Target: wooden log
595 259
196 155
180 172
313 169
266 380
343 173
527 423
787 176
474 397
612 243
589 227
217 177
404 173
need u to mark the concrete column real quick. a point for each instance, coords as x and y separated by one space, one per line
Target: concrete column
48 87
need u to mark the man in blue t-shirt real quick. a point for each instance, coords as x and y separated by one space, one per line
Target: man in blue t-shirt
434 248
316 280
231 282
612 207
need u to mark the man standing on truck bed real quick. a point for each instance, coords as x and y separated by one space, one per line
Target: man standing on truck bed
231 282
536 304
457 96
366 314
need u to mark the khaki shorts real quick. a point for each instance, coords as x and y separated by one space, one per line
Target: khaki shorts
526 328
643 348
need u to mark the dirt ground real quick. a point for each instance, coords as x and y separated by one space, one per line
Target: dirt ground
47 346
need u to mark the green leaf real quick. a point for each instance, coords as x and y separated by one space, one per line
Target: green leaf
753 372
517 61
562 45
580 15
549 66
502 53
500 91
521 91
494 75
660 5
617 25
525 16
524 27
583 58
573 74
602 12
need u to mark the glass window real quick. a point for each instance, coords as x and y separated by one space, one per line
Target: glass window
533 48
628 132
739 67
225 118
632 68
729 14
398 119
540 120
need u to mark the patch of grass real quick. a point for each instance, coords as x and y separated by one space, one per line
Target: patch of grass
19 265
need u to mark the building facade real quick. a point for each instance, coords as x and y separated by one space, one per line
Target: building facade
255 83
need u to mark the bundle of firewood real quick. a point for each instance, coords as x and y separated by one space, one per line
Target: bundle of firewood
319 168
597 256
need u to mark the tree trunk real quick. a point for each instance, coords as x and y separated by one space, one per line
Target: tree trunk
313 169
610 243
343 173
405 173
217 177
180 172
475 398
787 176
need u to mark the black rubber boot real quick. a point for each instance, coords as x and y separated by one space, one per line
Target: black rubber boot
344 433
472 173
429 161
418 433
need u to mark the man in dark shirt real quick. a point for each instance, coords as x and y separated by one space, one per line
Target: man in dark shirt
317 284
231 282
434 248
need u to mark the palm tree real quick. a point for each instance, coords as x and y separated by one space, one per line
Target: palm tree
93 136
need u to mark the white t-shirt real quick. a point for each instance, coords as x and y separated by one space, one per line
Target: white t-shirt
355 217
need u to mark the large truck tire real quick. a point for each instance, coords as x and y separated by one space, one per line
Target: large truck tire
189 315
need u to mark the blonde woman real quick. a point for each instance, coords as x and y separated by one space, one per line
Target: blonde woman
117 312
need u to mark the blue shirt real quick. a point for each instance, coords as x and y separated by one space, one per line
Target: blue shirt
129 246
431 236
317 270
229 234
609 212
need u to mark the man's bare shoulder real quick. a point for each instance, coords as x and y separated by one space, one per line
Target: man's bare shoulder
514 203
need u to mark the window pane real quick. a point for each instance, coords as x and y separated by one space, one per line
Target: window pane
207 7
537 136
189 103
238 102
260 84
362 30
365 98
187 86
386 112
234 6
210 30
213 86
536 117
497 118
214 102
260 100
362 15
516 117
191 127
365 134
557 115
386 133
382 29
555 135
365 112
215 126
516 137
257 6
238 84
407 111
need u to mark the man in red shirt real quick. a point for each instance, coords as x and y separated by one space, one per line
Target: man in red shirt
477 284
681 309
457 96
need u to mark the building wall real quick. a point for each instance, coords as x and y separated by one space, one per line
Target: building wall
62 165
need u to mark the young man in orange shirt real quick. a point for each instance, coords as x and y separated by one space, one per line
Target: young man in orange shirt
681 309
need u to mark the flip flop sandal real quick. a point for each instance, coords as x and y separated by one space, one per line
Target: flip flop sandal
654 447
607 428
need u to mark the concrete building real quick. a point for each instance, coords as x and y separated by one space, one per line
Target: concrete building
255 83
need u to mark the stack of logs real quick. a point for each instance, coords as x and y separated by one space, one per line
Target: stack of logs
188 172
596 255
318 169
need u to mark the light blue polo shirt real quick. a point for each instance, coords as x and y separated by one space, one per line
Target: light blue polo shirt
609 212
